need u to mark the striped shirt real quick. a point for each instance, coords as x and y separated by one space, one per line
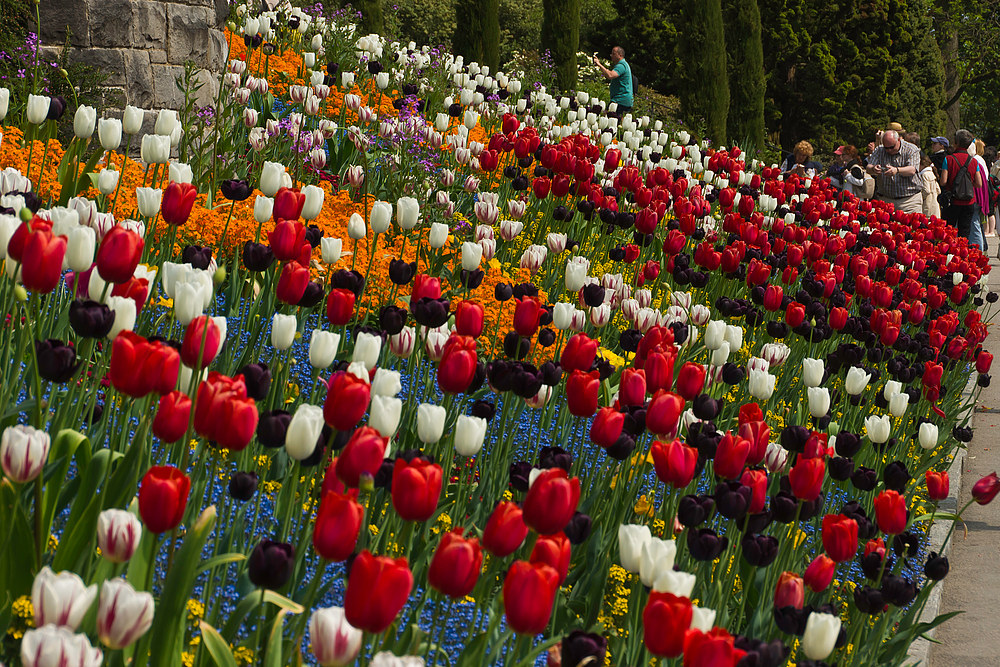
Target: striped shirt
894 186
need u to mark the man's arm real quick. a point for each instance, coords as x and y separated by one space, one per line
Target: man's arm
608 73
913 160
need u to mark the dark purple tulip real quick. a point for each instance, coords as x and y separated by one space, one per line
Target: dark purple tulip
271 563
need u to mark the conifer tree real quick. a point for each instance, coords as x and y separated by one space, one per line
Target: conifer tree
703 83
746 72
561 36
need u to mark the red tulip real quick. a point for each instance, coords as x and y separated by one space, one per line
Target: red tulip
819 574
607 427
579 353
288 204
457 369
505 530
983 361
795 314
690 380
362 455
937 484
139 367
759 435
806 478
346 401
286 239
659 369
986 489
527 314
663 412
224 413
172 416
772 297
890 512
292 283
202 340
551 501
674 462
582 391
838 318
665 621
163 496
756 480
469 318
456 564
611 159
713 648
555 551
424 286
119 254
840 537
731 456
377 589
41 259
416 488
632 387
790 591
338 524
528 593
134 288
339 305
541 187
175 207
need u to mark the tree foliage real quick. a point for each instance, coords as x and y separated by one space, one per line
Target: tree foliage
561 36
477 31
703 83
745 51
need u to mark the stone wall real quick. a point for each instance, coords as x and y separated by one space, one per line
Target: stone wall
141 46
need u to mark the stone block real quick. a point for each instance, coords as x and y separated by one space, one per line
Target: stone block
187 34
165 90
110 63
58 15
157 56
110 22
139 80
221 12
149 25
218 50
209 87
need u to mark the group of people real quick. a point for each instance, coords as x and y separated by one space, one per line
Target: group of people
951 181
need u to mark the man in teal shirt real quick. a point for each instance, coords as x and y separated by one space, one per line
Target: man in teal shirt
620 76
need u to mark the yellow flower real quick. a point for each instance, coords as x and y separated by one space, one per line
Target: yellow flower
195 609
243 655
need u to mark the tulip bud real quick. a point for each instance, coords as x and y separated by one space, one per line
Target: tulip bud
335 642
51 645
304 431
24 451
60 599
123 614
430 422
118 534
356 228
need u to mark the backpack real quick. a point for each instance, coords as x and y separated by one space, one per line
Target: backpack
962 187
994 190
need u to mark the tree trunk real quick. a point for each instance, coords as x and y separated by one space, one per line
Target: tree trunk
561 36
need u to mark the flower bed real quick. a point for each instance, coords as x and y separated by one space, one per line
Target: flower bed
395 360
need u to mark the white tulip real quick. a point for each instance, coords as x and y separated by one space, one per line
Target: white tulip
124 310
676 583
109 132
166 122
84 121
81 243
24 450
4 102
430 422
386 382
898 404
877 428
155 149
631 539
385 414
438 235
927 436
472 255
407 212
123 614
356 227
657 556
323 346
857 380
132 120
107 180
380 216
331 248
180 172
149 200
470 432
51 645
263 209
702 618
283 329
270 177
367 348
821 635
60 599
38 109
313 205
761 384
812 372
304 431
715 335
334 641
819 401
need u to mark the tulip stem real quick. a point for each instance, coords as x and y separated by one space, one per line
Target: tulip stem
260 627
39 538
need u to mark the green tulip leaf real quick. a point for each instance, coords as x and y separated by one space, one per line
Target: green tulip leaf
221 559
82 522
272 654
217 647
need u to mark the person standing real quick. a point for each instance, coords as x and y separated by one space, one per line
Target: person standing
620 76
930 187
960 212
982 209
939 151
895 164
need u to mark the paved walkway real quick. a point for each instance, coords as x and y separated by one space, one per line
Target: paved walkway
973 585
